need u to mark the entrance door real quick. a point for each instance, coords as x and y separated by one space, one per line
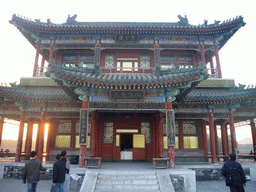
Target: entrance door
139 149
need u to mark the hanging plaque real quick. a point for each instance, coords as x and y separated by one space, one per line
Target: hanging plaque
127 95
170 127
83 126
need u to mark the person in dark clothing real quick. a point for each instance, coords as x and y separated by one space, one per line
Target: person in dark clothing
67 179
31 174
58 178
234 174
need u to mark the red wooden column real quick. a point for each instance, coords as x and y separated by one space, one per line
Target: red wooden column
201 47
51 52
83 147
171 154
1 129
253 132
93 134
160 132
29 137
232 133
216 139
49 138
41 136
224 137
20 136
42 64
212 137
36 59
212 67
204 135
217 61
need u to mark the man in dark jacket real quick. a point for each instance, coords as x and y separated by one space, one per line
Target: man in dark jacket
67 179
31 173
234 174
58 178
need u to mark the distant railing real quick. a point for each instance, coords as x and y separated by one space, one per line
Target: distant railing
213 72
127 69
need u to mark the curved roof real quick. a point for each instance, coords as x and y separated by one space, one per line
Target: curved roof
153 27
78 75
219 95
35 94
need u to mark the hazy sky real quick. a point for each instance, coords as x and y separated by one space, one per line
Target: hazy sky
236 56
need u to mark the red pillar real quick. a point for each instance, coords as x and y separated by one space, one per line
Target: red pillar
51 52
1 129
29 137
212 137
232 133
205 144
93 134
36 59
41 136
212 67
160 131
42 64
201 47
217 61
49 138
253 132
216 139
83 147
171 154
37 135
224 137
20 136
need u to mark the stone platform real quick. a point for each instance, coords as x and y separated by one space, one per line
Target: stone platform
182 178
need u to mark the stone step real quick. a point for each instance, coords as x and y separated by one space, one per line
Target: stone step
127 181
100 176
124 187
123 190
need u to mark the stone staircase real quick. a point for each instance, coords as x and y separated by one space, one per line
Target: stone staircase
126 181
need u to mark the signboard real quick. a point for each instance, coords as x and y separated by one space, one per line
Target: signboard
170 127
127 38
138 141
84 113
127 95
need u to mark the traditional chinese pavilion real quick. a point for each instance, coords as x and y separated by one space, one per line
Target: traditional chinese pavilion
129 90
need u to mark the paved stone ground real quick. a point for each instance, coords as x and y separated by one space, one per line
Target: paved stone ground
219 186
14 185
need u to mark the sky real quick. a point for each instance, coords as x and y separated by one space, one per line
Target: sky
236 57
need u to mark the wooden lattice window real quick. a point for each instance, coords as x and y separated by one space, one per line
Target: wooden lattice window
108 135
64 126
146 129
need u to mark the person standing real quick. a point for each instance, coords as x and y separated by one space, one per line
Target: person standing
234 174
31 174
67 177
58 178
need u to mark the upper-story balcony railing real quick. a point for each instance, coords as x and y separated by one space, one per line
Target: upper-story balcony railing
163 69
127 69
213 72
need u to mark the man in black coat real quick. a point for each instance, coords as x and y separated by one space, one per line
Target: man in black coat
234 174
31 174
58 178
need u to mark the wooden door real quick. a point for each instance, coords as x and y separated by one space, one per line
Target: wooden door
139 149
116 148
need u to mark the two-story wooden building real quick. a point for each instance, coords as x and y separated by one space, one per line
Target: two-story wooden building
129 90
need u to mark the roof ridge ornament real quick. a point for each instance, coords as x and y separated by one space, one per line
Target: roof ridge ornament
183 20
71 20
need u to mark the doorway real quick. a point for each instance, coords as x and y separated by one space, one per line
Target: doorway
126 142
